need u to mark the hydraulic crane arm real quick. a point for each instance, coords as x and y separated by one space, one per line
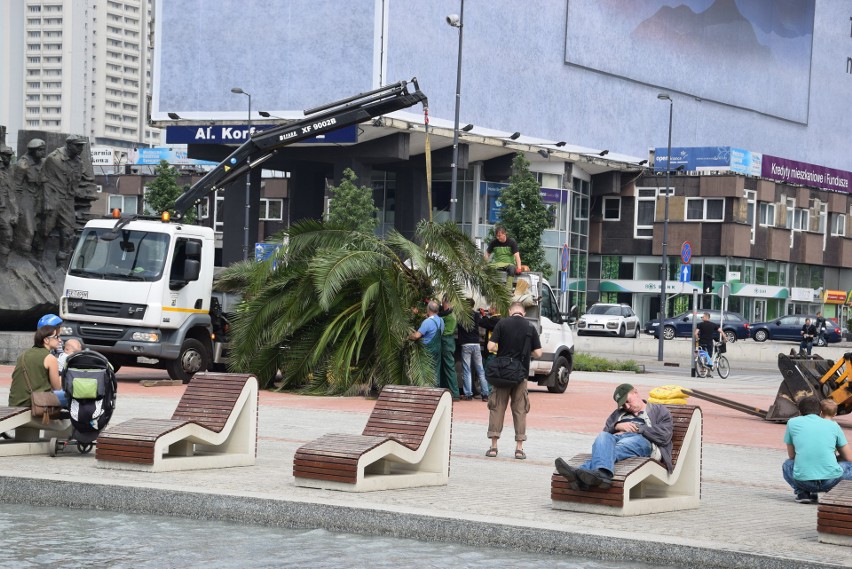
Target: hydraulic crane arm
319 120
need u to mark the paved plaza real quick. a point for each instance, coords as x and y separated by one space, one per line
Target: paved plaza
747 518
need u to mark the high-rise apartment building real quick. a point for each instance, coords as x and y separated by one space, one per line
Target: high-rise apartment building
80 66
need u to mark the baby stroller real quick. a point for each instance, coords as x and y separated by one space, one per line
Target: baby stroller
89 383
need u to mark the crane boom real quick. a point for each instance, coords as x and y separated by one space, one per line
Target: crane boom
318 120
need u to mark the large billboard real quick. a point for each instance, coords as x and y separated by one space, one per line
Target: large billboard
767 75
753 54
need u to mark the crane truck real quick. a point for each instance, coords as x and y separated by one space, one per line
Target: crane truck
140 289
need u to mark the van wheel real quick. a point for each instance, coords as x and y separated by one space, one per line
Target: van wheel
558 378
193 358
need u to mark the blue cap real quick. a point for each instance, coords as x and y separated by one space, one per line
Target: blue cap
49 320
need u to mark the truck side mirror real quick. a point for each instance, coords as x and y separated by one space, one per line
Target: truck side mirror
191 270
193 251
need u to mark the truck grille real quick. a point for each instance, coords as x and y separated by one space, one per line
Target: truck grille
86 307
101 335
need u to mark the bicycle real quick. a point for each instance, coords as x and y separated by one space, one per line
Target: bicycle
704 365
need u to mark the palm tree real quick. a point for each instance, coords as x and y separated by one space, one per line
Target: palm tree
333 309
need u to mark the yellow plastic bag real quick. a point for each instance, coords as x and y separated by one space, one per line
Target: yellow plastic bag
676 401
668 392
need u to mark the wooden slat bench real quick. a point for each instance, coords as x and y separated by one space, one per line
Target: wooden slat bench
643 485
214 426
405 444
27 435
834 515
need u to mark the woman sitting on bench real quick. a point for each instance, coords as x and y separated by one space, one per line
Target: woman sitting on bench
37 369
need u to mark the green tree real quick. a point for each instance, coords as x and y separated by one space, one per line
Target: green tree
525 216
333 309
163 192
352 206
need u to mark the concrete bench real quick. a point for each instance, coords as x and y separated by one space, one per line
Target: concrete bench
643 485
214 426
28 436
834 515
405 444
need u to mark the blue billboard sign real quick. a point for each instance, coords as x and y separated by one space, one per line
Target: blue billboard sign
174 156
693 158
696 158
237 134
550 196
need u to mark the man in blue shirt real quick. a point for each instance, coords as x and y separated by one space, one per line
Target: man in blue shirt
811 444
430 332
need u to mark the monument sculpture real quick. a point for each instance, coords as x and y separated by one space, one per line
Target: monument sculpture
45 199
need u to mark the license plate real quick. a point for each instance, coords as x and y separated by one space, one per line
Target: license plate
595 325
76 293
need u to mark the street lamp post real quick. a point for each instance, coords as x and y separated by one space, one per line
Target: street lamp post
239 91
456 21
665 266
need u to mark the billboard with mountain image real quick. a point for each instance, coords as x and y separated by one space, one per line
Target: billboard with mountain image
753 54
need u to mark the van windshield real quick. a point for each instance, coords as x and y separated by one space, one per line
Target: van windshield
129 256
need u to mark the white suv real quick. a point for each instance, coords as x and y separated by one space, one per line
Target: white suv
616 319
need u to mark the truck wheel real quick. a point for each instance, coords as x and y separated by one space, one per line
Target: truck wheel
193 358
558 378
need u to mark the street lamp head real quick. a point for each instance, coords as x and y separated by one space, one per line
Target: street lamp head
238 91
264 114
561 143
454 20
174 116
467 127
603 152
545 153
515 135
664 97
643 162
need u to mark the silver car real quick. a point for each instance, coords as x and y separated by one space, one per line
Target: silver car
615 319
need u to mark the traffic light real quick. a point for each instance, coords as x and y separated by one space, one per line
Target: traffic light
708 283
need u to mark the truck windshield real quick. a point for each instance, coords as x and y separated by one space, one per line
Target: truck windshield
131 256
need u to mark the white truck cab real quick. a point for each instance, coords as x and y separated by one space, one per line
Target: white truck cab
142 289
554 367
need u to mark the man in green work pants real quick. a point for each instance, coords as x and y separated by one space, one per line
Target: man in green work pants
448 377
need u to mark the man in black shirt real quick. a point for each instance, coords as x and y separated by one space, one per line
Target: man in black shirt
808 332
513 337
706 332
819 324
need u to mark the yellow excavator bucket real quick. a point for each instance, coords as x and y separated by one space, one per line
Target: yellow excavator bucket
811 376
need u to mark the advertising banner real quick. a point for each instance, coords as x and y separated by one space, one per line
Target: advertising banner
237 134
550 196
834 296
153 156
694 158
793 172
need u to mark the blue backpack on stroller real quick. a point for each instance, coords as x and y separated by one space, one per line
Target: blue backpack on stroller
90 386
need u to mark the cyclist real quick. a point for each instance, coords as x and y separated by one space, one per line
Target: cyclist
705 333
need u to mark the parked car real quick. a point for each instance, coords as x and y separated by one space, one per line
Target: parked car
615 319
790 328
734 325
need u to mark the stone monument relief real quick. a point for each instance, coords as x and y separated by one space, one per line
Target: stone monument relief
46 194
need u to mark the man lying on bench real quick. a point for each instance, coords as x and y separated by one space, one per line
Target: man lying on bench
635 428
